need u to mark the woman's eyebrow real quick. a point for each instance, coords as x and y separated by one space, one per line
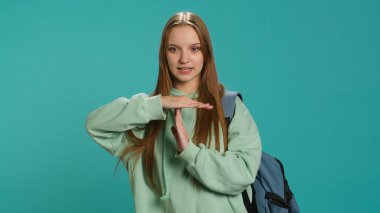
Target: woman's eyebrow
178 45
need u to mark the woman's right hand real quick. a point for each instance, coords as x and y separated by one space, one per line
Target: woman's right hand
174 102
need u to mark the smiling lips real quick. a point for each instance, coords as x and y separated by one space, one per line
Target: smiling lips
184 70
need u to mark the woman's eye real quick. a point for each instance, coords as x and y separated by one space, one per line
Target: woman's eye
172 49
195 49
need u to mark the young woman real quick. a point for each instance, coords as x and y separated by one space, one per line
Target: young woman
180 154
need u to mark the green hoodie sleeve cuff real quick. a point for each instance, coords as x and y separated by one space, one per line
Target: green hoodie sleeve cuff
154 108
189 154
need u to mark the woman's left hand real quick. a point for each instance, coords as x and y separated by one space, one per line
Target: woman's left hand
179 131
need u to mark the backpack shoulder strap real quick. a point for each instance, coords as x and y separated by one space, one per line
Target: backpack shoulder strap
228 102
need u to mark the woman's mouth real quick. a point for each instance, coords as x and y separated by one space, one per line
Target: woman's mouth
184 70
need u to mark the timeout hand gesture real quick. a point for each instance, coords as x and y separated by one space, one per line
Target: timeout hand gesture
178 102
173 102
179 132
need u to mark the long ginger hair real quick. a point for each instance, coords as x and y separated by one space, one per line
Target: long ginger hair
208 122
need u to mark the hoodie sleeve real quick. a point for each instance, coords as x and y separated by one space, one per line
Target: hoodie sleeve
107 124
232 171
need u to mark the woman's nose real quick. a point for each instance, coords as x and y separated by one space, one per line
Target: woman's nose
184 58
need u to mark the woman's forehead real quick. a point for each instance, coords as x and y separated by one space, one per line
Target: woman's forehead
183 35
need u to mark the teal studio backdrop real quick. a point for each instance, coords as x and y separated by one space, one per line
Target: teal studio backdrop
309 72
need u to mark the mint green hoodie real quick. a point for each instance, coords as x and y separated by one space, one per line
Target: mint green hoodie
223 175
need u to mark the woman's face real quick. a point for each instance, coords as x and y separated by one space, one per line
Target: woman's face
184 57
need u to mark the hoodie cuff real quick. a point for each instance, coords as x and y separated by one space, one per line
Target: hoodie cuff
154 108
189 154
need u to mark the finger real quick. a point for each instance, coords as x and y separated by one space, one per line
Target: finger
181 131
176 116
177 113
191 104
175 133
189 101
196 105
179 116
205 106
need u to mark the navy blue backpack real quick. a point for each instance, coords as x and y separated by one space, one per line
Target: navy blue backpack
270 190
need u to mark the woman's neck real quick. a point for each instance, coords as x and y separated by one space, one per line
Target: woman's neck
186 88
